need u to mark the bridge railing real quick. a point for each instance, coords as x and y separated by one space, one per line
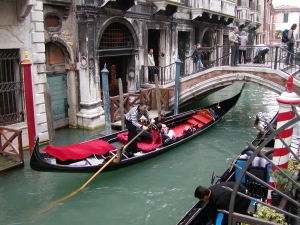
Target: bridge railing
130 100
221 56
165 74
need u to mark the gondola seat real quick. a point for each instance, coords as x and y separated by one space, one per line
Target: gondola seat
240 163
195 123
179 129
268 168
201 119
80 150
259 172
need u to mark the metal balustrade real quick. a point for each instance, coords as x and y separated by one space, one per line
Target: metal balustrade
221 56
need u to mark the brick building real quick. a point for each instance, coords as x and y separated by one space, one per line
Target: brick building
265 9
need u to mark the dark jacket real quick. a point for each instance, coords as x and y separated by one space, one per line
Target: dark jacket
220 199
196 55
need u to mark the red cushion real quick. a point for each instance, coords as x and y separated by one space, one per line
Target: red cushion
201 119
192 121
178 130
146 145
80 150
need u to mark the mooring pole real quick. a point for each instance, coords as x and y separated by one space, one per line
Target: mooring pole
106 104
176 92
285 113
121 100
26 64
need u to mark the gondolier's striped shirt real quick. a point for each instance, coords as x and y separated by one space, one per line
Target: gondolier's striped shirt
135 114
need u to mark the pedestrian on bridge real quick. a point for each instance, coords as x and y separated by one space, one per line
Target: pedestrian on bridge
234 46
260 53
290 45
197 58
242 48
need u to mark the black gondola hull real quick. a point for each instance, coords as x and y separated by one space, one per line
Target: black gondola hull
39 160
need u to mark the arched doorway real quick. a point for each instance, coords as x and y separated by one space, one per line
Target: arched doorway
208 41
115 50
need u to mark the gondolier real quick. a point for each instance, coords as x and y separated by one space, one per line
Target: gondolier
132 123
219 198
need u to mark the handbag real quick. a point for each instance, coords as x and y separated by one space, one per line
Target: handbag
239 41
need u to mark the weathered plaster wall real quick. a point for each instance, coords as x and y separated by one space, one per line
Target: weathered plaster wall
27 35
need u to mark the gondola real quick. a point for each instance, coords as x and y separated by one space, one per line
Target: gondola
92 155
259 167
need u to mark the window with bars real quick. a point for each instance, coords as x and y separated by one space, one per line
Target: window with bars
11 87
116 36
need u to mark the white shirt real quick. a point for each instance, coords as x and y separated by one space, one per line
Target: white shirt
151 60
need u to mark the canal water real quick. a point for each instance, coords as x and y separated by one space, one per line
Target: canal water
157 191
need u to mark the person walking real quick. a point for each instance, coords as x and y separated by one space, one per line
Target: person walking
290 45
219 198
242 47
196 56
234 46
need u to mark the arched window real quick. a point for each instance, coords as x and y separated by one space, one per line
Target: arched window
116 36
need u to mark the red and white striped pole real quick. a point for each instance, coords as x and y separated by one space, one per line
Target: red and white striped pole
285 114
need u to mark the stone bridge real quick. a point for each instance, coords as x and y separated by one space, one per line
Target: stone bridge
201 84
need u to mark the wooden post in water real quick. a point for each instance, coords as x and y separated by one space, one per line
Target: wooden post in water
157 97
121 103
50 122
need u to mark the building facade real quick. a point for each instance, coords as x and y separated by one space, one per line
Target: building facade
265 9
70 41
120 36
22 29
283 18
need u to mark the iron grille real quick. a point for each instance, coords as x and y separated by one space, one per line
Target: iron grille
116 36
11 87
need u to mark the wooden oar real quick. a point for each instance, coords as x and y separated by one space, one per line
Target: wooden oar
119 153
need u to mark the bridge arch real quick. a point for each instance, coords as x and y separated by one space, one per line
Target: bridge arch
216 78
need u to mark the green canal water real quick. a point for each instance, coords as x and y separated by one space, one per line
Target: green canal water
158 191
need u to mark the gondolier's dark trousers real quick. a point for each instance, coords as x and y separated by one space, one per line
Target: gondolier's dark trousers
131 134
